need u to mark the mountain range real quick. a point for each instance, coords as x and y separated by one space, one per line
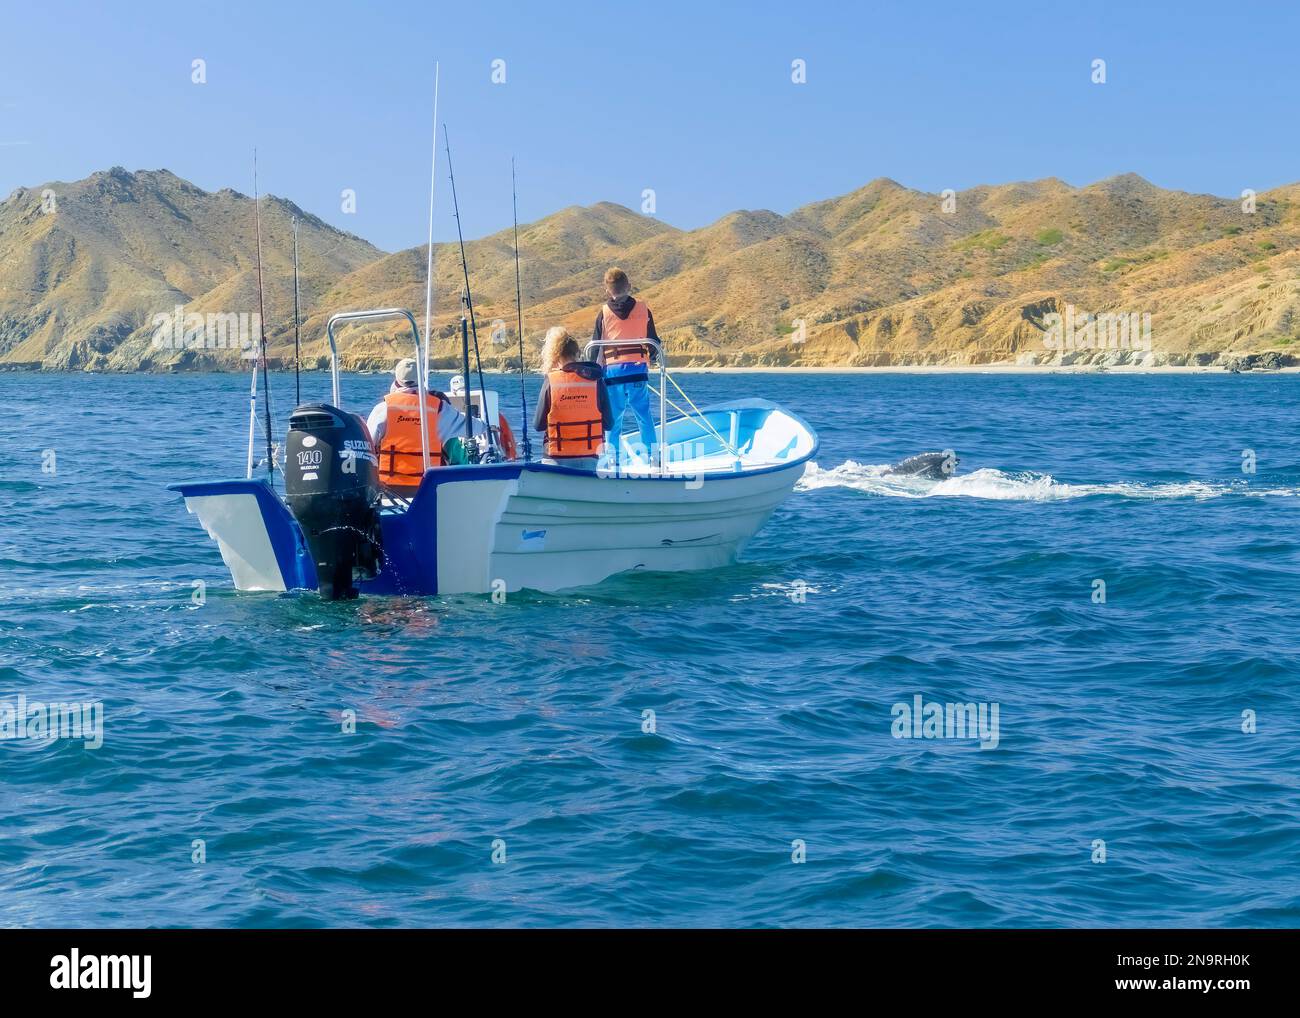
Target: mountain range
884 275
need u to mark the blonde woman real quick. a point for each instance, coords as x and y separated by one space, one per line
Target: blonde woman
573 408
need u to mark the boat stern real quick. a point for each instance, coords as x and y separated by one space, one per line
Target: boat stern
261 543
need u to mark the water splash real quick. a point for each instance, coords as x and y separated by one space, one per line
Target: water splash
1024 486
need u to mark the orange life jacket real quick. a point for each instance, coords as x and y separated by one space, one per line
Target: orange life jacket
401 463
574 426
634 326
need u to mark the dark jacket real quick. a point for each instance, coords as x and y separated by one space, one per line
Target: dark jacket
583 369
622 307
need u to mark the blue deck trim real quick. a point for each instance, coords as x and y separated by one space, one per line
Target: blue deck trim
411 536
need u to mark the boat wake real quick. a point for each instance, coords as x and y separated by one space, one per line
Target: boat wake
1026 486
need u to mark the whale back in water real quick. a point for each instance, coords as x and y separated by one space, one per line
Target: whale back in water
933 466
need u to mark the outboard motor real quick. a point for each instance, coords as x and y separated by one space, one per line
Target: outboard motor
331 482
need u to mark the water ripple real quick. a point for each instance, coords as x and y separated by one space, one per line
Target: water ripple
660 750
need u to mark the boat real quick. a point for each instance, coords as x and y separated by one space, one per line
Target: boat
499 525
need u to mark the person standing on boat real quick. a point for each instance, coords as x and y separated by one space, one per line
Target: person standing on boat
627 368
395 428
573 408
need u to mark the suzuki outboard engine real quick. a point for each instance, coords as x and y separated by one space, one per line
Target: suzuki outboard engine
331 482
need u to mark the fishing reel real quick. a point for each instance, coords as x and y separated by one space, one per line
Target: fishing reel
488 452
277 459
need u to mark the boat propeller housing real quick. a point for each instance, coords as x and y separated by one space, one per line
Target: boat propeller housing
331 485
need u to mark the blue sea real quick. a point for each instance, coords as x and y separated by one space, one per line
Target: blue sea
1114 568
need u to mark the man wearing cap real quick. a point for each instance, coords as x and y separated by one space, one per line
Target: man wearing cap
395 427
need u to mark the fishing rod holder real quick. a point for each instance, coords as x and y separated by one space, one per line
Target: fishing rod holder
600 344
379 315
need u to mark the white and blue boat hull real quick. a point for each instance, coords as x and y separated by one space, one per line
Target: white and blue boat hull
511 526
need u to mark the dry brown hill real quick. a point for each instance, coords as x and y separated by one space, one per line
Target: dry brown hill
85 266
883 275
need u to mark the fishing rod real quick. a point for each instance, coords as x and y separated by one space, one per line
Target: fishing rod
464 358
467 301
433 190
261 324
252 419
519 315
297 375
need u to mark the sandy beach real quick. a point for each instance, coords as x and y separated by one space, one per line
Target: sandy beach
985 369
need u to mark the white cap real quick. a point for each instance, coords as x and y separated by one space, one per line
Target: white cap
406 371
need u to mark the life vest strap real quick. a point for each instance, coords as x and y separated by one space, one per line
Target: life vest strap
592 430
393 470
627 355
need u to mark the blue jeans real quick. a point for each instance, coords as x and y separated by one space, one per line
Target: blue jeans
635 397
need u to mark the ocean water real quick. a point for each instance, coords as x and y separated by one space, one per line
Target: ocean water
225 792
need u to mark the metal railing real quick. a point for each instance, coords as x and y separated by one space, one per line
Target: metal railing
663 374
421 382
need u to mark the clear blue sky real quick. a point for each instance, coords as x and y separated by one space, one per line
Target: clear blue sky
694 100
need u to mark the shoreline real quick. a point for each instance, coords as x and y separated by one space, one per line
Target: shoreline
993 369
894 369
